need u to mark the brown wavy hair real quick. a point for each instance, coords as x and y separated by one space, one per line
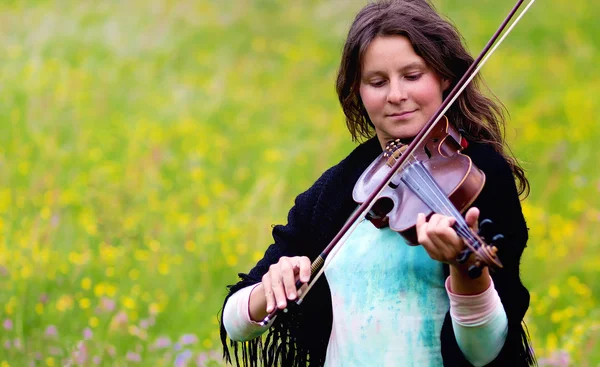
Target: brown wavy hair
440 44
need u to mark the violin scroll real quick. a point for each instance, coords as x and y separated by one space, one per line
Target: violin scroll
485 254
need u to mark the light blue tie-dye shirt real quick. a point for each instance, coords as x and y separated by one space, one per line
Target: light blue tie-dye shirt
389 302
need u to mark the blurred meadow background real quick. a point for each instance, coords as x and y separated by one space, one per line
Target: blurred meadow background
147 146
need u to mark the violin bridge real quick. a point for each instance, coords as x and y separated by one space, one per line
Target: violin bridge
393 151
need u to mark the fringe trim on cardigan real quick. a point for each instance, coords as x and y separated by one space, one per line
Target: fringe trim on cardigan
280 347
528 352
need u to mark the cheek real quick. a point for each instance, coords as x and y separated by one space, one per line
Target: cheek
372 100
429 95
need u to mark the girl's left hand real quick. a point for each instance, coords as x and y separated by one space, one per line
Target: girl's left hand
439 239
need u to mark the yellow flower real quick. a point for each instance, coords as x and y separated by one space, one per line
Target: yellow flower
551 342
231 259
190 246
64 303
554 291
272 155
163 268
23 167
93 321
154 245
134 274
154 308
241 248
84 303
111 290
197 174
100 290
25 271
129 303
45 213
202 201
86 283
5 200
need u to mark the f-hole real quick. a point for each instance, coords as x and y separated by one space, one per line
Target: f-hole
382 207
427 151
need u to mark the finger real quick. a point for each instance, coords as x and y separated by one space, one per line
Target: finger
421 228
266 281
445 242
288 277
472 218
443 236
435 227
432 250
434 219
277 286
305 269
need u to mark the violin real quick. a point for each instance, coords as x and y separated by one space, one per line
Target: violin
437 178
429 175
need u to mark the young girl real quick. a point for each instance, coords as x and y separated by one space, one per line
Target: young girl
383 302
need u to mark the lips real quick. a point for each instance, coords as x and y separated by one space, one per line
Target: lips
399 115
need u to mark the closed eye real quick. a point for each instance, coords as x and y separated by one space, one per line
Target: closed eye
413 77
377 83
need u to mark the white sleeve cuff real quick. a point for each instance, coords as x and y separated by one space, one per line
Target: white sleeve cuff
236 316
475 309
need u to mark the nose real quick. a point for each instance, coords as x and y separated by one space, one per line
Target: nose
397 93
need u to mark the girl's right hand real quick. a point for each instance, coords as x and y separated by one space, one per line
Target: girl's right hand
279 283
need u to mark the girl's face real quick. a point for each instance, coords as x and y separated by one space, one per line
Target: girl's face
398 89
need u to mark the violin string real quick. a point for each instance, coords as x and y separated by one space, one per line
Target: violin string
444 209
441 207
444 205
440 202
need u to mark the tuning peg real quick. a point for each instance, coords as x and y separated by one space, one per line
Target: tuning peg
464 256
497 240
485 228
475 270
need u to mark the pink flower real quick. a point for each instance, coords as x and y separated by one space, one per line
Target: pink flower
111 350
201 360
188 339
81 354
119 320
162 342
51 331
133 357
107 304
7 324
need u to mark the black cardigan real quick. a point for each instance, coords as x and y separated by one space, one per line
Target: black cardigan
300 337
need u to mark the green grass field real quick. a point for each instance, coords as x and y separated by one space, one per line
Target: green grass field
146 147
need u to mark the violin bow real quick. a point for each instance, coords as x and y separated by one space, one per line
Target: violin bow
318 266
